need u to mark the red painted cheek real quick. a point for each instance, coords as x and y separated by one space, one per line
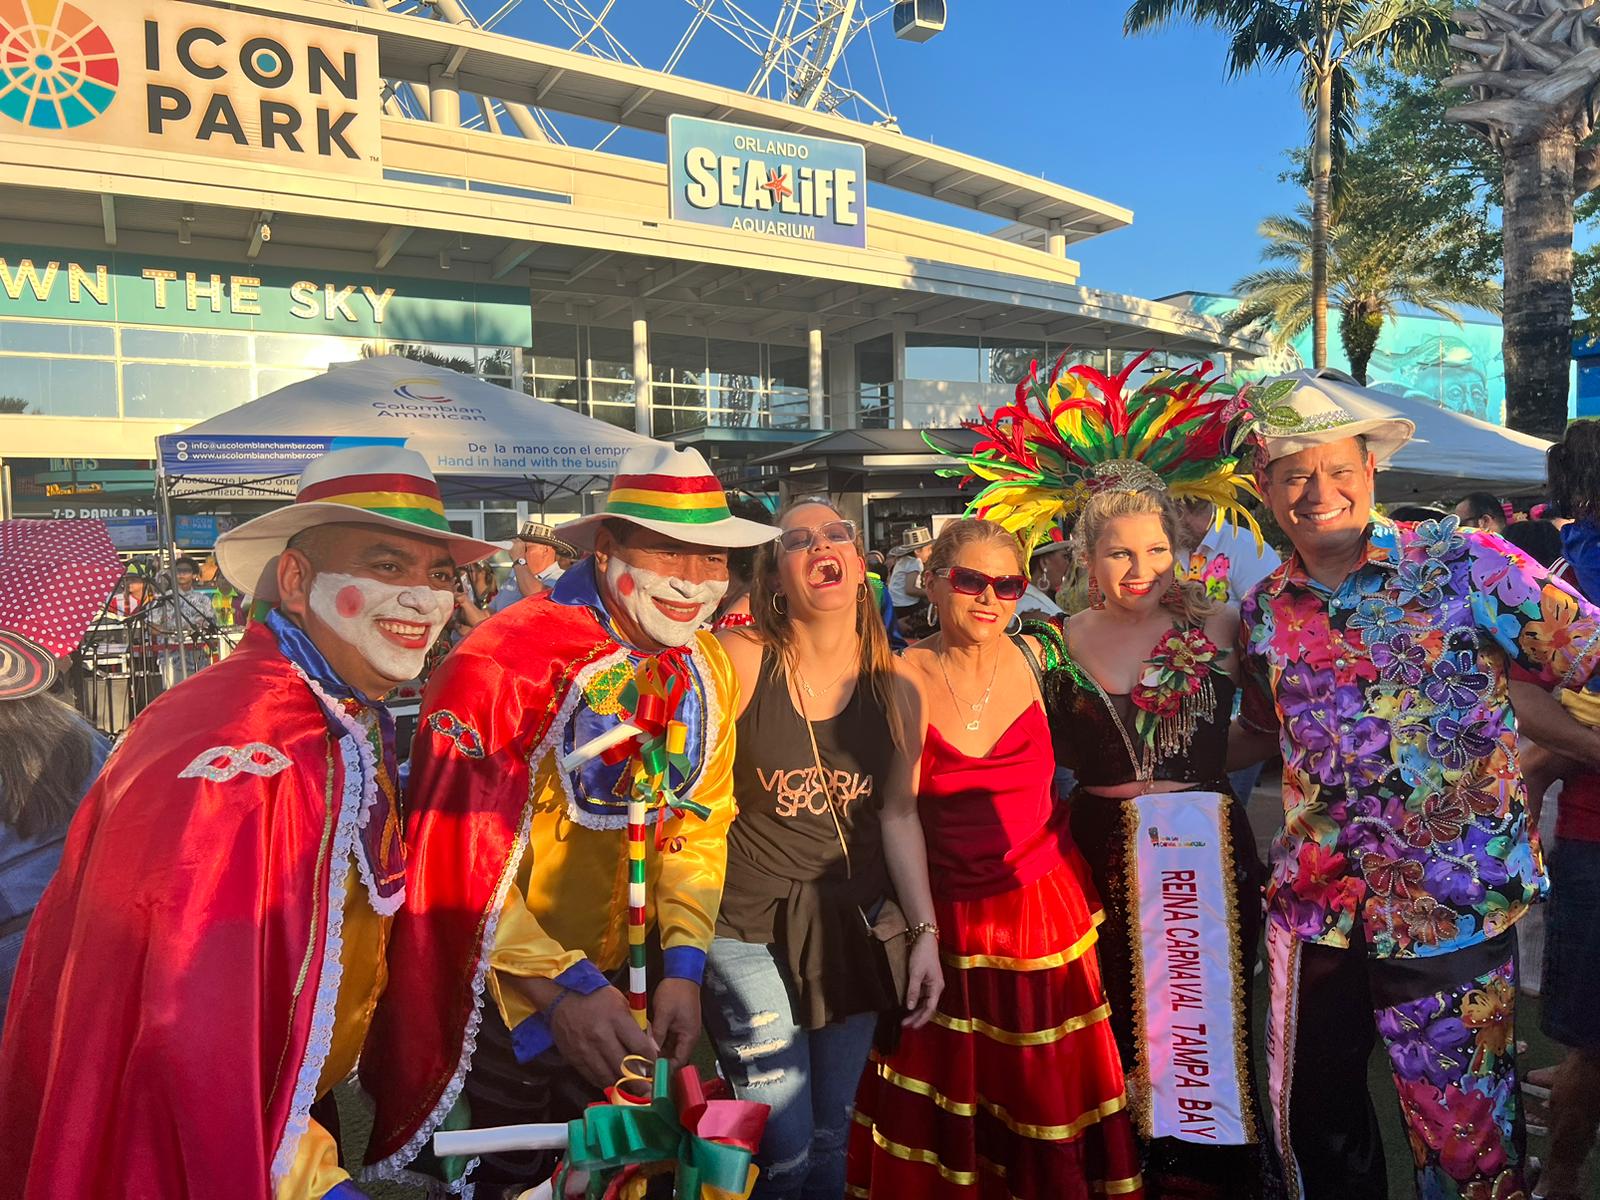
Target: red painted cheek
349 601
625 586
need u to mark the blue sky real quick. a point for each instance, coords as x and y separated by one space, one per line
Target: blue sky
1050 87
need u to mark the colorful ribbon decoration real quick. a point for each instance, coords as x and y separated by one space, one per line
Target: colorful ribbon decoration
648 703
657 1121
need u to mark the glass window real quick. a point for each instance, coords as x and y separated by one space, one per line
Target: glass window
58 387
454 358
735 359
877 405
183 391
563 391
494 364
679 395
1007 361
664 421
619 415
947 357
789 366
610 353
186 345
47 337
499 524
1078 356
875 360
555 349
676 358
308 350
272 380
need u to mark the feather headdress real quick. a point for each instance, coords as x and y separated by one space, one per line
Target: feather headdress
1082 431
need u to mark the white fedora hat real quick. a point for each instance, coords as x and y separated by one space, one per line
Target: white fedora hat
670 491
365 485
1325 406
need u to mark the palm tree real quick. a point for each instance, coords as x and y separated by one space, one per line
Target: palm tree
1532 70
1370 279
1328 39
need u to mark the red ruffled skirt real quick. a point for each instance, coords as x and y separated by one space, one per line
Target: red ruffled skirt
1014 1091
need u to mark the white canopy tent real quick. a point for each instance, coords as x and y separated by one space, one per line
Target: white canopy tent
1450 455
481 440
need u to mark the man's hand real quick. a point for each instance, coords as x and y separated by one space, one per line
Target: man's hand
677 1021
924 981
596 1032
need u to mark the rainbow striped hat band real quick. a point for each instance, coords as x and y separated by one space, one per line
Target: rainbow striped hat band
386 486
671 491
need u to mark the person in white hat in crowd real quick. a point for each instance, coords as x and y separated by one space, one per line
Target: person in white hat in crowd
55 577
541 921
202 970
536 556
906 592
1375 660
1047 570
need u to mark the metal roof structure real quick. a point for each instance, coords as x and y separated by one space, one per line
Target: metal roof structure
543 76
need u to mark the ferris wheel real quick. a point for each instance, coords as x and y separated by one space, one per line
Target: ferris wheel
819 55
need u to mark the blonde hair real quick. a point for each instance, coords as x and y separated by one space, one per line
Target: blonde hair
1192 603
775 628
970 531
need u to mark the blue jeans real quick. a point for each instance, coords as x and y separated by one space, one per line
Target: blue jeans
807 1076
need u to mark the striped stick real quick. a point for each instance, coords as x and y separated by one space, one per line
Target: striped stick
637 994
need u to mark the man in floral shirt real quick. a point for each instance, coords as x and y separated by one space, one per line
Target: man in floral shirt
1376 659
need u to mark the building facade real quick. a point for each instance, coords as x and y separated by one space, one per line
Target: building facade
204 203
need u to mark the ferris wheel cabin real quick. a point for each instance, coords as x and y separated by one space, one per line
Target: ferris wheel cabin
918 20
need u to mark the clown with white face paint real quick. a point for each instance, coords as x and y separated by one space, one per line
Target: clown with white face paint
391 626
665 607
540 931
266 840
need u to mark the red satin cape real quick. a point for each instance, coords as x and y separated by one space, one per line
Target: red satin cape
460 841
159 1018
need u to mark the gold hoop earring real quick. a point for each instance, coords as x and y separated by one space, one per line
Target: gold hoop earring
784 611
861 593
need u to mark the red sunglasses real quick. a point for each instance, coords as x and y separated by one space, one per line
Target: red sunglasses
974 583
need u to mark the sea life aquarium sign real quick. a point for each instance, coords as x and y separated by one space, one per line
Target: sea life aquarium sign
783 185
187 78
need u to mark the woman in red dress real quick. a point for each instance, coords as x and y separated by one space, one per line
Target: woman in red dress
1014 1090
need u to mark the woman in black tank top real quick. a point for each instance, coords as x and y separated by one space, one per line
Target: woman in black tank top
827 830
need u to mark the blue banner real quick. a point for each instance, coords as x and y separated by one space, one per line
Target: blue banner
231 457
783 185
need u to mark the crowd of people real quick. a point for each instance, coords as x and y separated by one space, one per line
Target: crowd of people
945 853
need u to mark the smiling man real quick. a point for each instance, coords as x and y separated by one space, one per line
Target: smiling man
1376 660
204 965
541 920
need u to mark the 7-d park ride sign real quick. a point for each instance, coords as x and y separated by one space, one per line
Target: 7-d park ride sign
188 78
784 185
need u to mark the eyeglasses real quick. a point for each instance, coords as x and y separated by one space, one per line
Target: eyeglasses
974 583
836 533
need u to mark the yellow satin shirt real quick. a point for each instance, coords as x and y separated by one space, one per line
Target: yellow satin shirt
569 899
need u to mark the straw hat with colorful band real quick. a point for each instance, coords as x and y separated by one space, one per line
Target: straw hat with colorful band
1321 407
671 491
387 486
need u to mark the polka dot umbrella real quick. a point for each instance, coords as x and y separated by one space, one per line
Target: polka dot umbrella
54 577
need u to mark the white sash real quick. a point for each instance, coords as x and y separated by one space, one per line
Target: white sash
1189 1002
